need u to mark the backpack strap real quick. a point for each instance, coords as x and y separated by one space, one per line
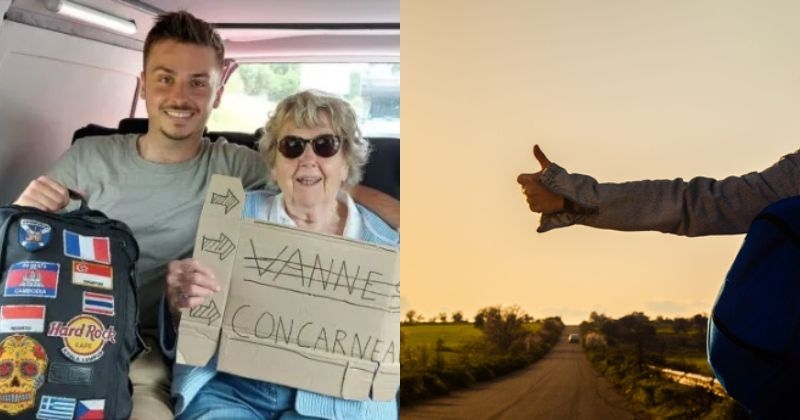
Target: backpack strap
785 214
782 225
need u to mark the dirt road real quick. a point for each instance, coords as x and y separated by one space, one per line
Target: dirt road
561 386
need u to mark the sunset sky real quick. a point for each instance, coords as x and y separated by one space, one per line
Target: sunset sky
622 89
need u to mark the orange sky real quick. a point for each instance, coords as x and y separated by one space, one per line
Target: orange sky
621 89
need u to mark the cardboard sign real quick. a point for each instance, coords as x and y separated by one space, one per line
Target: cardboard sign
307 310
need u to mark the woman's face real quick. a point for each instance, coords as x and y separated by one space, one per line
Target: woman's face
309 180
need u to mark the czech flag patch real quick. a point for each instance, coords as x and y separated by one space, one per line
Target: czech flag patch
90 410
90 248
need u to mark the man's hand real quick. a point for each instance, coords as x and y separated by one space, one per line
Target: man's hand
45 194
188 284
540 199
384 205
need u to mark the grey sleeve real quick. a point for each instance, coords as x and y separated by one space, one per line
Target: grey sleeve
249 166
65 170
700 206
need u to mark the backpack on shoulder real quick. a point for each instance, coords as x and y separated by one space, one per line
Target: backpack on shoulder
68 314
754 328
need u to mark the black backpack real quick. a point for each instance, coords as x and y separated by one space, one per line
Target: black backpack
68 314
754 327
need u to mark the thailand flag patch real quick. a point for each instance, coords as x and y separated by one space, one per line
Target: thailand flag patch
21 318
90 410
32 279
98 303
90 248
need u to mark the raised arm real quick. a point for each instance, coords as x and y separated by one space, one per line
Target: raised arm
384 205
700 206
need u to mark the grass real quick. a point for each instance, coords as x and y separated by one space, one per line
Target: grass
454 335
693 363
437 358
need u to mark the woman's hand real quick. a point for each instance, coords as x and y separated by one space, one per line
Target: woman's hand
188 284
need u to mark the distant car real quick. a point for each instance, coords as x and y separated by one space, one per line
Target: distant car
574 338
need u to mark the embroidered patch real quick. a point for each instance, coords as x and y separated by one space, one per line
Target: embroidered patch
90 248
23 362
92 275
69 374
32 279
98 303
84 337
21 318
33 235
91 410
55 408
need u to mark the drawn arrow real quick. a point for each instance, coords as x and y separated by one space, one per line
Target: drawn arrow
228 200
208 312
222 246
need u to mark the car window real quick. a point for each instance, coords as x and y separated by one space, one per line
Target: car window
254 89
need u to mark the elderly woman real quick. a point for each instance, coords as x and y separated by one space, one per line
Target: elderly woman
315 150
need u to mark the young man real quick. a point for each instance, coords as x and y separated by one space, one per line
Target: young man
156 182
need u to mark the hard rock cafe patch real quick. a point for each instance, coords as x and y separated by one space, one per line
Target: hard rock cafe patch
33 235
23 362
32 279
84 337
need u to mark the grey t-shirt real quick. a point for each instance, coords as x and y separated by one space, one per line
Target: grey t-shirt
160 202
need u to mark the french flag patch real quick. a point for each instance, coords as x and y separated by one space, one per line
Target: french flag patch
98 303
90 410
90 248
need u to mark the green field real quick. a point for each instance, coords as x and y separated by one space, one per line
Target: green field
439 357
454 335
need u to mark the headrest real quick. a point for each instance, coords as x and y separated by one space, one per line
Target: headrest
132 125
382 171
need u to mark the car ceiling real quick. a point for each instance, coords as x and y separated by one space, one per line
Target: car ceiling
253 30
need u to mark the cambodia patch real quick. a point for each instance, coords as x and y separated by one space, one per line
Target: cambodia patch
84 337
55 408
90 248
23 362
32 279
92 275
22 318
33 235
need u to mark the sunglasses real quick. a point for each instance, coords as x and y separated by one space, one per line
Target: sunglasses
325 146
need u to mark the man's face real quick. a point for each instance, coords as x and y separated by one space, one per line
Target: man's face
180 86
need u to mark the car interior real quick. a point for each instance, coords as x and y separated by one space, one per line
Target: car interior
64 77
